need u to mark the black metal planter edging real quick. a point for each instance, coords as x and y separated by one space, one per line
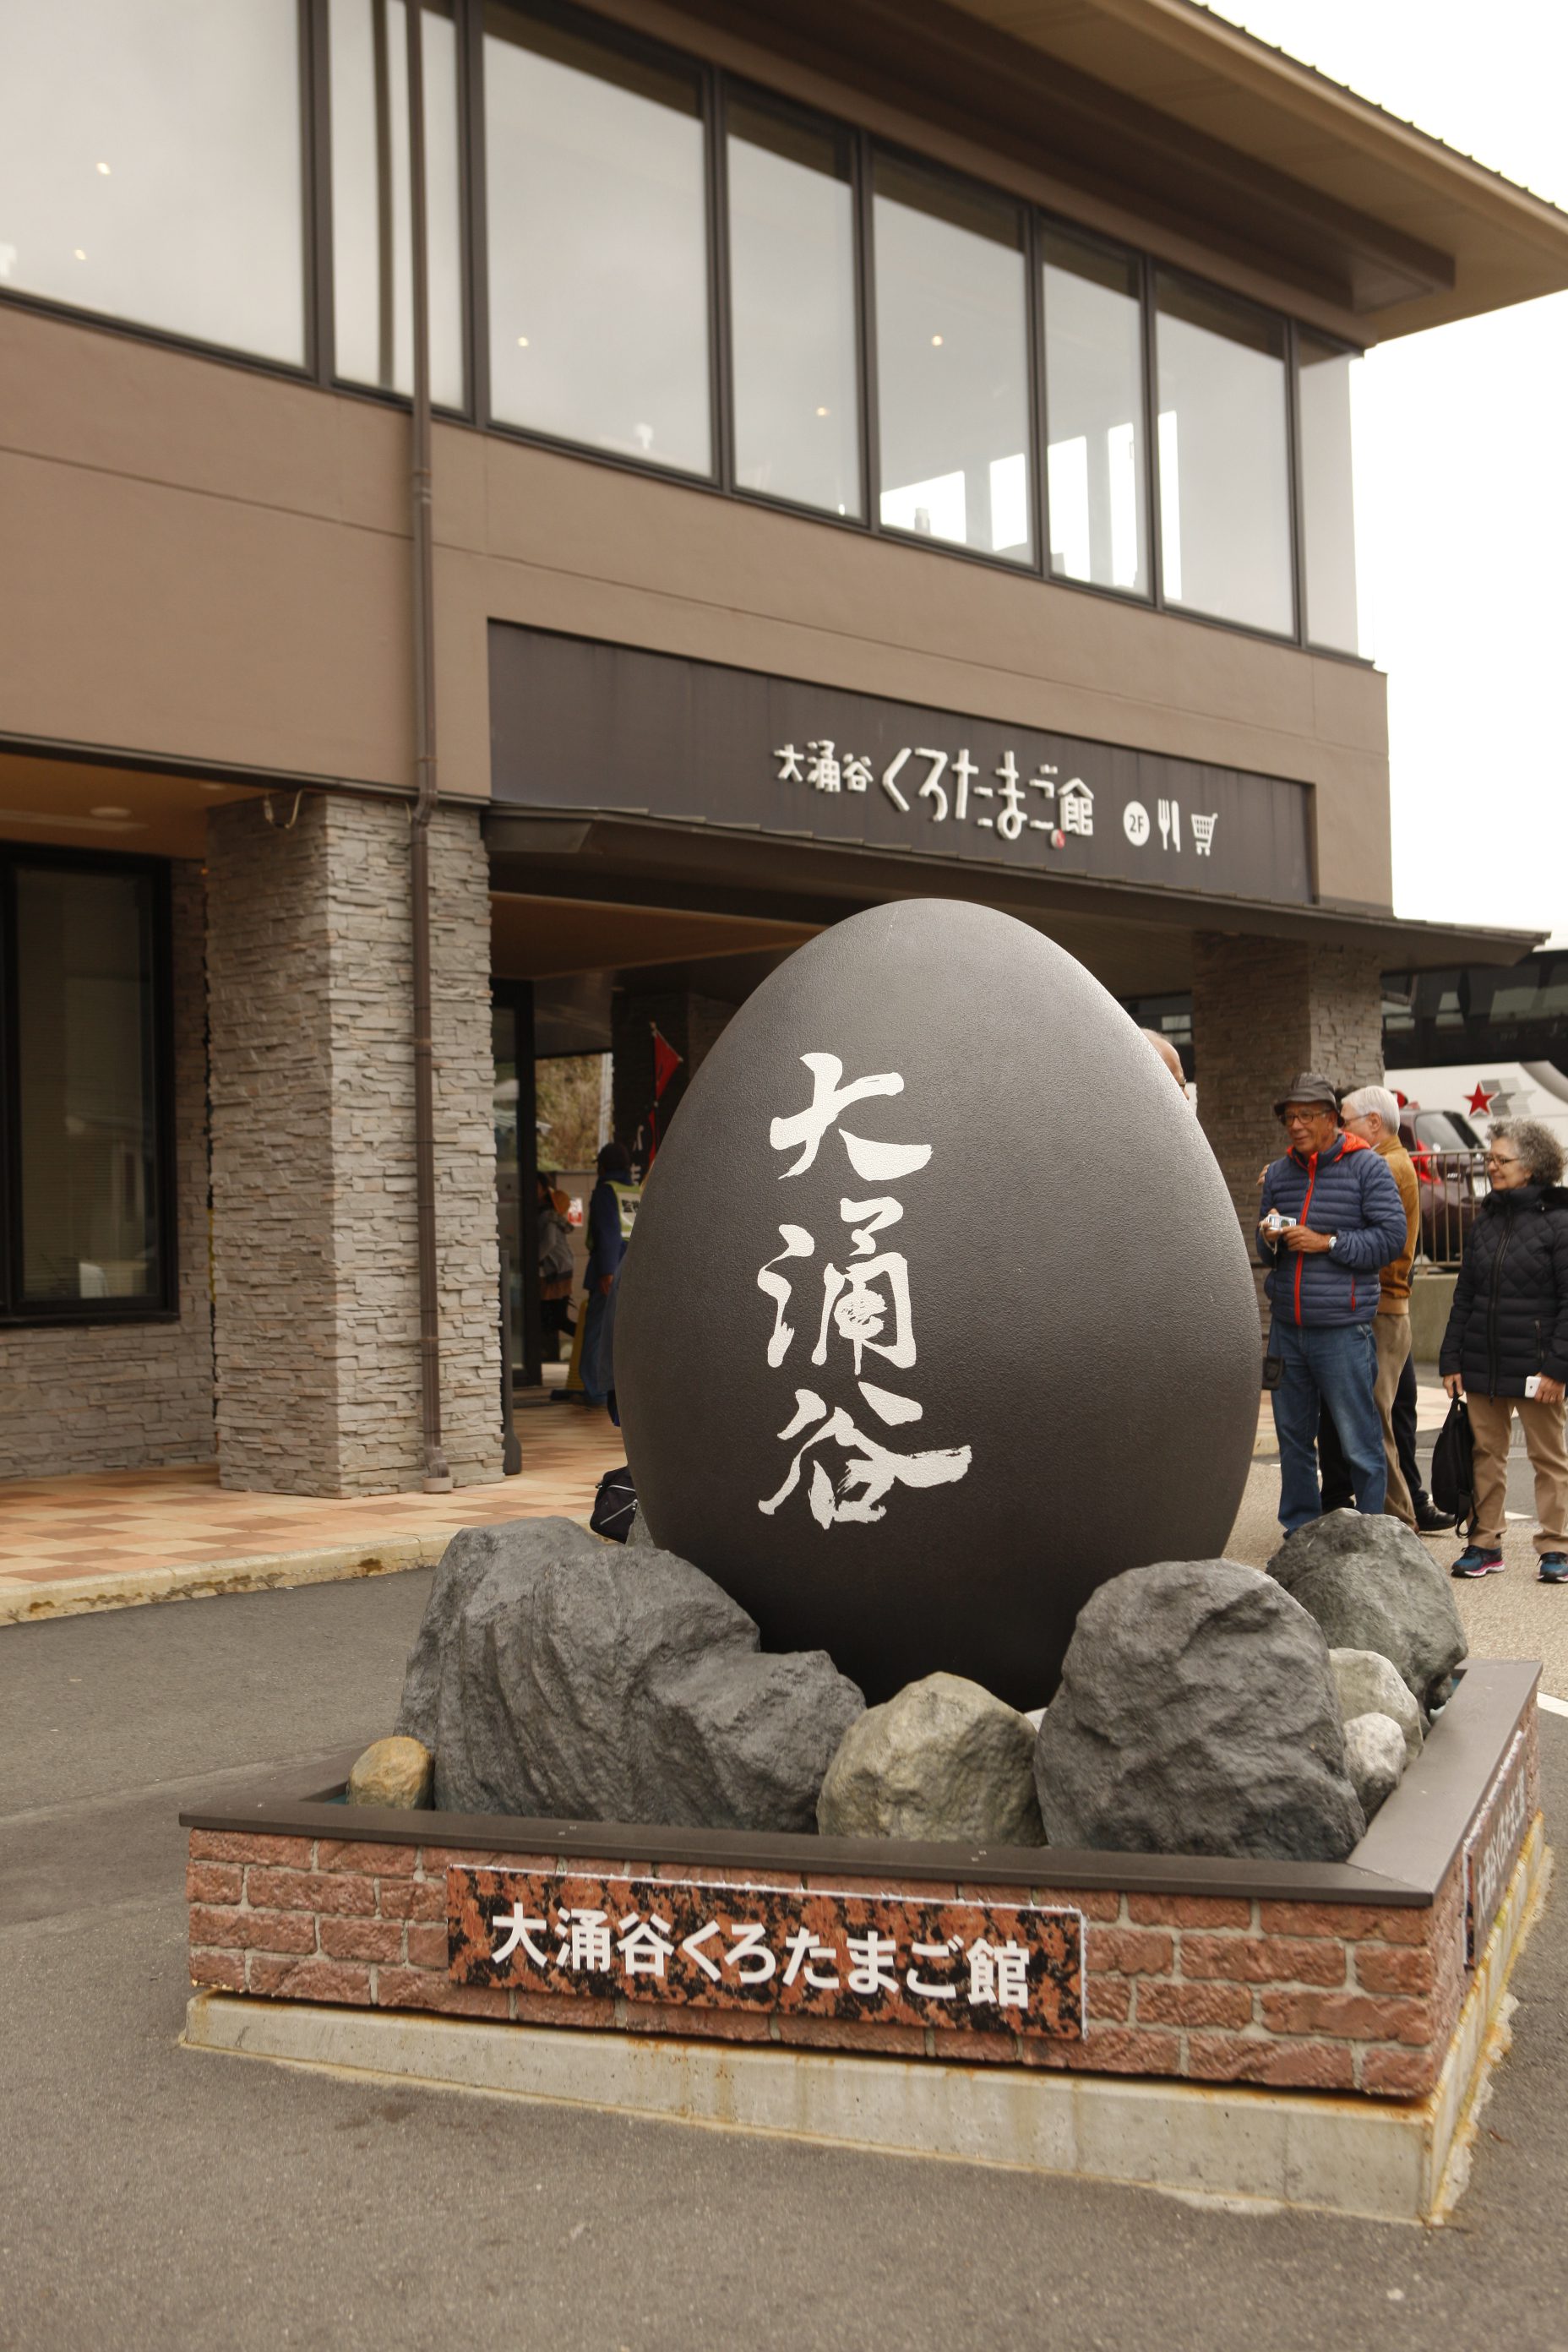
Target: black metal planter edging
1401 1863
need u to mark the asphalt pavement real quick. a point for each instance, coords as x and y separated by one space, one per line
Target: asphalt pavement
156 2197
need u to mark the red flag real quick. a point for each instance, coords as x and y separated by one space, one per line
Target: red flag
666 1061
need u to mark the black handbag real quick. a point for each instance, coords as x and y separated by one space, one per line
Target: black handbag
1454 1467
614 1504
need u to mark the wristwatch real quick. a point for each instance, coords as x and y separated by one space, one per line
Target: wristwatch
1332 1239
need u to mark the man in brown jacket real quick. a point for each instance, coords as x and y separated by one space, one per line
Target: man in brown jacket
1372 1113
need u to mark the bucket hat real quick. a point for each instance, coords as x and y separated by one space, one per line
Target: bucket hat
1308 1087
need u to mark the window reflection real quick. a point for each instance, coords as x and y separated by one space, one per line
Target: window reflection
791 292
1094 415
86 1124
1224 500
951 365
149 166
1328 511
597 238
372 285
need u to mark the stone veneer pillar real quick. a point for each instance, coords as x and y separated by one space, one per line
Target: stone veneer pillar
1263 1010
314 1265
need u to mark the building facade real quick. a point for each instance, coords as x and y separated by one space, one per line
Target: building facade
877 452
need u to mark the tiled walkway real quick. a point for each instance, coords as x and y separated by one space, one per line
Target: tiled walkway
132 1522
136 1525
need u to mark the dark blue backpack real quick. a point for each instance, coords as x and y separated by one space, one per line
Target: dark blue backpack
1454 1467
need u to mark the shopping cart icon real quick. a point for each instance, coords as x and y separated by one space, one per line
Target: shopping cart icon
1202 832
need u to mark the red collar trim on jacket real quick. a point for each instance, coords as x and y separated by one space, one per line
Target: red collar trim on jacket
1342 1144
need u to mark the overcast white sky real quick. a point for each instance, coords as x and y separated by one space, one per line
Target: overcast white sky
1462 474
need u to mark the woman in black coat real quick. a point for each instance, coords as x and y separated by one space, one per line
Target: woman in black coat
1506 1347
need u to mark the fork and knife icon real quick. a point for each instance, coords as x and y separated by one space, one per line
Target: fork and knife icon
1170 815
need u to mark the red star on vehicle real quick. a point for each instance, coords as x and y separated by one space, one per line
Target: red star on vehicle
1480 1103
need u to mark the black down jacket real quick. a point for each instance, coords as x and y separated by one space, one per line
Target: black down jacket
1509 1316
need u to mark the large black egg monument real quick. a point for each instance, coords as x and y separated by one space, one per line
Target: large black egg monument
937 1314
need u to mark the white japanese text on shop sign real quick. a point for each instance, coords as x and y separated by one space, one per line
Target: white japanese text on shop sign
646 737
947 788
964 1965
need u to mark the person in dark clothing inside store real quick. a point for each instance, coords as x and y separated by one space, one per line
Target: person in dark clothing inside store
1331 1218
612 1206
1506 1347
552 1236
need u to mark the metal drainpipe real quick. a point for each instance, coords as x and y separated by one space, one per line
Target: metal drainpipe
437 1478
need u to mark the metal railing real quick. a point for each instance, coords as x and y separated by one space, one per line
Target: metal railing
1453 1185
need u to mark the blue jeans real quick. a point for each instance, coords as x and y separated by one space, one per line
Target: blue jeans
595 1366
1333 1365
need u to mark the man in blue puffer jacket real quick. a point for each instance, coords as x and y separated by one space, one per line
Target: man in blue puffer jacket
1331 1217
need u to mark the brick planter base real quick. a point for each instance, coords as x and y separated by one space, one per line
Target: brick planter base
1347 1979
1331 1997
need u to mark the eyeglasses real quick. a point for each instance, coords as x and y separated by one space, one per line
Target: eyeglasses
1501 1160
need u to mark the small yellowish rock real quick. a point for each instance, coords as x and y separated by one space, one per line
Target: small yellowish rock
393 1772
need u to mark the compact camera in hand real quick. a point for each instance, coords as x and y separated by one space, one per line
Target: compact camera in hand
1275 1223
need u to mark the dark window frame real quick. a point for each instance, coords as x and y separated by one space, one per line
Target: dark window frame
17 1311
1047 224
714 84
627 43
468 27
1295 559
312 98
1299 482
848 142
909 159
1035 219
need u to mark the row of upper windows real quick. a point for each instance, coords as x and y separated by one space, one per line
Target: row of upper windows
679 271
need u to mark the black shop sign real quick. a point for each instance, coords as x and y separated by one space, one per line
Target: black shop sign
582 726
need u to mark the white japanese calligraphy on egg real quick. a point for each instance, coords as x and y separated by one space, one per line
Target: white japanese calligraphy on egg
887 1295
866 1309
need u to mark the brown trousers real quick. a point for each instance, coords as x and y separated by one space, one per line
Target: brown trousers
1491 1425
1391 1334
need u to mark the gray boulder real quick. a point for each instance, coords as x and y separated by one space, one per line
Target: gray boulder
1368 1684
555 1675
1375 1758
944 1759
1196 1715
1369 1582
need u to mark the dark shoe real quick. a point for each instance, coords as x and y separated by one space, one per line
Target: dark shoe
1473 1562
1431 1521
1553 1568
